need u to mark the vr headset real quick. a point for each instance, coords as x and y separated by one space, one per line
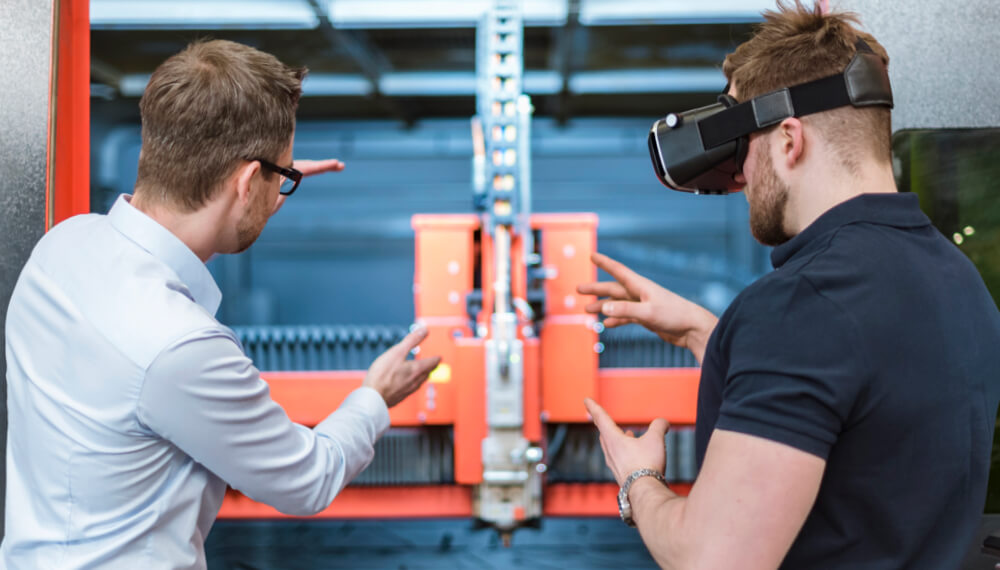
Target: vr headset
701 150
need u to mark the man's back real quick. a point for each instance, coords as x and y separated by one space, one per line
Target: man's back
90 312
131 407
883 338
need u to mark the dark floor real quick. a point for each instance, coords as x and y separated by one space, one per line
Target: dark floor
422 544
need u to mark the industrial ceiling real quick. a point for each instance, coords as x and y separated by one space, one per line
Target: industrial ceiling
414 59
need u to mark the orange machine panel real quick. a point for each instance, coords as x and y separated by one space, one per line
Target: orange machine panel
309 397
566 244
445 264
569 367
630 395
434 402
639 395
589 499
409 501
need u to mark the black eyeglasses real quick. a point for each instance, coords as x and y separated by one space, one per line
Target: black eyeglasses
290 178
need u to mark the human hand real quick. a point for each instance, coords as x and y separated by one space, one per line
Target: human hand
632 298
625 453
395 377
310 168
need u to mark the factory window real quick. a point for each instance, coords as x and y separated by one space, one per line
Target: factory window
955 172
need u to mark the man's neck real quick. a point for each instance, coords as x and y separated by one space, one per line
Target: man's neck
196 229
835 185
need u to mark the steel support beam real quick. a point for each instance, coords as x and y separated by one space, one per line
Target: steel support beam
369 60
570 36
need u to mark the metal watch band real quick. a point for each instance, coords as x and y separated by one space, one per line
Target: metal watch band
624 507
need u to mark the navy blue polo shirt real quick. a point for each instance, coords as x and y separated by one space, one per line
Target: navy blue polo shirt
874 345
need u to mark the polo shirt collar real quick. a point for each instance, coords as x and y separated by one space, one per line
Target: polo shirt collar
169 249
897 209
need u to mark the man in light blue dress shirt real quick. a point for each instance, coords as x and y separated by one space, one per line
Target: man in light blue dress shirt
130 406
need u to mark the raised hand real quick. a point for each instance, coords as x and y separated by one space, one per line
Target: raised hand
395 377
625 453
310 168
632 298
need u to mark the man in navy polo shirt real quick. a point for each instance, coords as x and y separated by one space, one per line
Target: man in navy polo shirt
848 398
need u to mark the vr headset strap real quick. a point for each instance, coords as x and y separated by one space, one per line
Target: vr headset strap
771 108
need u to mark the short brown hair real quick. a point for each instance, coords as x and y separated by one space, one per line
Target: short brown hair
795 45
204 111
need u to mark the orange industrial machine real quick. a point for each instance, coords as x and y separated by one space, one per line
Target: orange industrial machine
497 290
560 369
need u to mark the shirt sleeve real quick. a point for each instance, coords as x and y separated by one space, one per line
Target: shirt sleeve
206 397
796 368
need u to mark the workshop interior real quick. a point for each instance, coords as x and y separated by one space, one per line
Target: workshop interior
490 147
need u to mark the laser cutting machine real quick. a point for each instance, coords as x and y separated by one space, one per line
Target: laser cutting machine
499 432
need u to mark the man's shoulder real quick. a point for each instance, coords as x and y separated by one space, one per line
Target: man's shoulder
151 312
68 238
784 301
773 293
79 224
132 299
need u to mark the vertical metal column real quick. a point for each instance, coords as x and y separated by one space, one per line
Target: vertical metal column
26 62
510 493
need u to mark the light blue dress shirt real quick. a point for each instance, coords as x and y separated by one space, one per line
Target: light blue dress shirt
130 407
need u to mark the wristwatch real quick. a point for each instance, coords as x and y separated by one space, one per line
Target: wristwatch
624 507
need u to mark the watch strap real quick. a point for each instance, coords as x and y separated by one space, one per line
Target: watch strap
624 507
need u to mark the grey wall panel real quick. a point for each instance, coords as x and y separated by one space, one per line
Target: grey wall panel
943 59
25 49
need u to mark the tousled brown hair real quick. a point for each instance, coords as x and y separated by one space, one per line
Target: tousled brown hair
796 44
204 111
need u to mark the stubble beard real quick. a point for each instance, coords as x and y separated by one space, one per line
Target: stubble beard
768 198
250 226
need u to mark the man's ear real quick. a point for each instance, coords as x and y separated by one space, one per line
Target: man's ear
243 177
791 142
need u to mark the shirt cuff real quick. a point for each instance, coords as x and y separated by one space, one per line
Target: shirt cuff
369 402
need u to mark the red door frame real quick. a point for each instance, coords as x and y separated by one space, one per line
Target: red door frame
69 142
